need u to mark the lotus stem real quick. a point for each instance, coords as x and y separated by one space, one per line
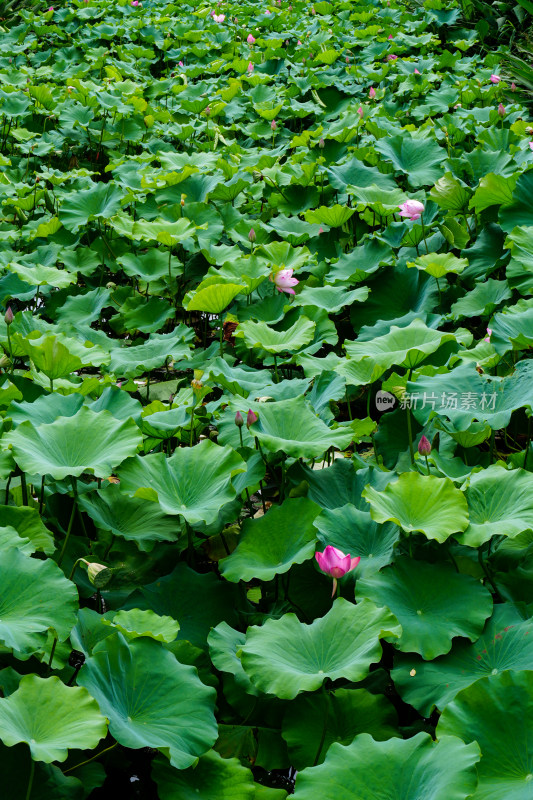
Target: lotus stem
324 727
30 781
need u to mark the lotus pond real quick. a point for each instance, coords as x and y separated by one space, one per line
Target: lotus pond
266 521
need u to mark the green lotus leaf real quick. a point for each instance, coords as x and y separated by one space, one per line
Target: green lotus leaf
85 442
135 623
259 334
506 644
518 212
450 194
150 698
493 190
194 482
285 657
156 350
270 545
29 525
416 768
496 713
520 268
29 604
157 230
332 216
39 275
405 347
50 356
282 255
215 298
329 297
482 300
199 602
50 717
291 426
420 159
439 264
355 532
420 503
101 201
9 538
515 326
129 517
224 641
500 503
432 602
346 712
213 776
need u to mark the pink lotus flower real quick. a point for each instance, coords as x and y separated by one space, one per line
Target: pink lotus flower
390 35
513 87
501 110
489 332
412 209
335 563
252 235
219 17
299 42
284 281
495 79
391 57
180 64
531 145
250 67
372 93
51 8
250 39
267 11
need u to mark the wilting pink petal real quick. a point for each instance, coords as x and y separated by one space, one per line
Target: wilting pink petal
251 417
391 57
412 209
284 281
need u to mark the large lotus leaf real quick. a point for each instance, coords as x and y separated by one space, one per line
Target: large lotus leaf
330 298
493 190
29 601
342 483
500 503
197 601
50 717
439 264
153 353
333 216
419 159
404 347
355 532
463 395
450 194
39 275
270 545
514 326
101 201
292 427
283 256
129 517
157 230
412 769
285 657
150 698
194 482
482 300
432 602
224 641
135 623
506 644
215 298
28 524
9 538
420 503
50 355
85 442
212 777
497 713
345 714
259 334
518 212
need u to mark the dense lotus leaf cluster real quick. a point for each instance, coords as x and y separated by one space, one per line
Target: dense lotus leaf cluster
266 280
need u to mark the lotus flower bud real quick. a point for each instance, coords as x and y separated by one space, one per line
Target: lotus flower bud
513 87
501 110
372 93
208 110
9 316
424 446
239 421
250 68
251 417
98 574
336 563
182 201
273 125
321 143
252 236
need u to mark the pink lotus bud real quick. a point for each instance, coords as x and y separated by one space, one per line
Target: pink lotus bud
251 417
495 79
372 93
321 143
208 110
489 332
180 64
273 125
51 8
250 39
416 72
412 209
501 110
320 230
284 281
391 57
239 422
299 42
267 11
513 87
390 35
360 111
252 235
9 316
424 446
347 60
335 563
531 145
250 67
